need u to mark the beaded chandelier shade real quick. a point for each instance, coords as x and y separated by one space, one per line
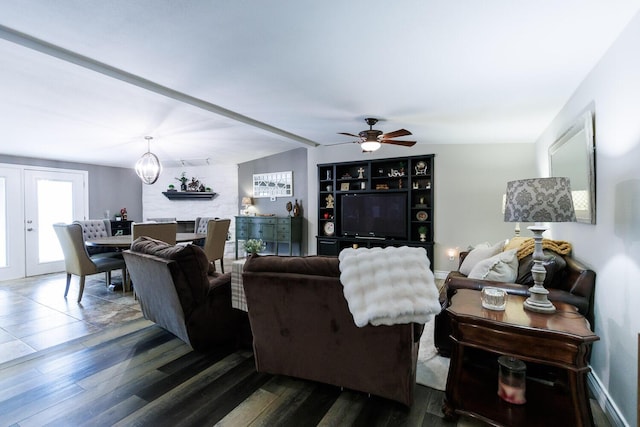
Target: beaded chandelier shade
148 167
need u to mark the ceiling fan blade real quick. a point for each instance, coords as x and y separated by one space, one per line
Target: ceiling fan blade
396 133
348 134
395 142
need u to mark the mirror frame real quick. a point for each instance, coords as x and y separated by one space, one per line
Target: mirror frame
580 136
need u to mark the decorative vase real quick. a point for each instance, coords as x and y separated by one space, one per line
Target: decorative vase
296 209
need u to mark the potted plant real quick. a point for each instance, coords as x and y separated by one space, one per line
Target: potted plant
253 246
422 231
171 187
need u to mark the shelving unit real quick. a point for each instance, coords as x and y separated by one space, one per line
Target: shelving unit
410 175
183 195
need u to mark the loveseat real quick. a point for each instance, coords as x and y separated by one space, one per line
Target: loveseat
179 291
302 327
567 281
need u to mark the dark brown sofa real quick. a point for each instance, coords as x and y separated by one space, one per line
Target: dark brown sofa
302 327
567 281
178 291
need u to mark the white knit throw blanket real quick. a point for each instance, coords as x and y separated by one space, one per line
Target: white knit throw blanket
387 286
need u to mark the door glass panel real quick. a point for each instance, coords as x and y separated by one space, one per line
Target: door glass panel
55 204
3 223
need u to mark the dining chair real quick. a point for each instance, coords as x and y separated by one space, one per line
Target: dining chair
201 224
165 231
78 261
94 229
217 230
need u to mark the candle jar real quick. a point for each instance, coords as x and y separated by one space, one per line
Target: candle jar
493 298
512 380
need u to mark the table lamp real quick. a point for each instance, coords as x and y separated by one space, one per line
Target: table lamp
246 202
539 200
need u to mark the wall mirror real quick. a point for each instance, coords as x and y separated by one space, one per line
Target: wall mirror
573 156
273 184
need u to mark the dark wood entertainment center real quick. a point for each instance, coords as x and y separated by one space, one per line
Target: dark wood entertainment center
411 176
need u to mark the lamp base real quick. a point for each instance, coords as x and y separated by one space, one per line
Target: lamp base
538 301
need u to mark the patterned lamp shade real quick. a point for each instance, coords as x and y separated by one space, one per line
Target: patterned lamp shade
247 201
539 200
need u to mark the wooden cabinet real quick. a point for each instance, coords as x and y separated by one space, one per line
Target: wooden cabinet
121 228
410 176
274 231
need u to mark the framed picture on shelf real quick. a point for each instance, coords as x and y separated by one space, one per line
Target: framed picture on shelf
344 186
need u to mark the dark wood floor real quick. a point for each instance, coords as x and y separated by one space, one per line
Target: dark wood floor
124 370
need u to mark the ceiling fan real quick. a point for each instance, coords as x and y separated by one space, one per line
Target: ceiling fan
370 140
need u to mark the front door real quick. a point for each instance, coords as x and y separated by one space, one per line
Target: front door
11 223
51 196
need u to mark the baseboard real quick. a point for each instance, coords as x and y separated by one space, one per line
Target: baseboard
439 274
611 411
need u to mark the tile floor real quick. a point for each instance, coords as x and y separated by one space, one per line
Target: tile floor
34 315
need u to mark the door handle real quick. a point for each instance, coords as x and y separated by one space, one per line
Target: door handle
29 229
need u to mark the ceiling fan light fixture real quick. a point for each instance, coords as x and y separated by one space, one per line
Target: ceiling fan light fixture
370 146
148 167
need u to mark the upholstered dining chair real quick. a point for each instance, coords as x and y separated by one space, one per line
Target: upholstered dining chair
96 228
164 231
201 224
77 260
217 230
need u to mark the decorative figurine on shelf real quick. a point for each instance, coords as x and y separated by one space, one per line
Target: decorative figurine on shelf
296 209
328 174
421 168
289 207
123 212
361 173
329 200
193 185
183 181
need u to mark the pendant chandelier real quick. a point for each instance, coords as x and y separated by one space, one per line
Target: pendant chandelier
148 167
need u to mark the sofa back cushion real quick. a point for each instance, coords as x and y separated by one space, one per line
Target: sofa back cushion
309 265
553 263
189 271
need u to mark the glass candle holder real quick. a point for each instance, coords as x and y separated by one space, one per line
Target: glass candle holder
493 298
512 380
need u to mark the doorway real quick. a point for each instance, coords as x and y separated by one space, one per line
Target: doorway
33 201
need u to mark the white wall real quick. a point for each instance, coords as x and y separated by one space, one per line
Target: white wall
222 178
469 182
612 246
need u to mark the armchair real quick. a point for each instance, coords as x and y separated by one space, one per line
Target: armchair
302 327
178 291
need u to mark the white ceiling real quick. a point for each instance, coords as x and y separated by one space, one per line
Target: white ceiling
463 71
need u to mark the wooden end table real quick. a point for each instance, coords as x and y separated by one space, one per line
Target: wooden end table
555 348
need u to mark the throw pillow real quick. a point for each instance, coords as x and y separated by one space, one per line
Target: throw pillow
480 252
502 267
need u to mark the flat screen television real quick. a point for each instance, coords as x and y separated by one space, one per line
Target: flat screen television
381 215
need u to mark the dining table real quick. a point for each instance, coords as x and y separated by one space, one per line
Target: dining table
124 241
